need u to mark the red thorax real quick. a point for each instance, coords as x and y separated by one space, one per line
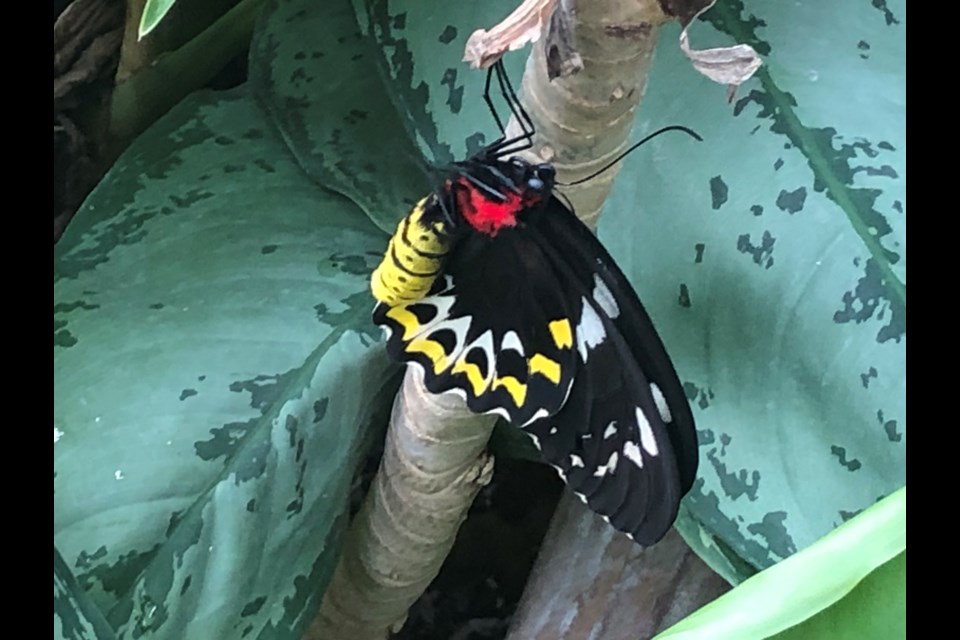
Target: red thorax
489 216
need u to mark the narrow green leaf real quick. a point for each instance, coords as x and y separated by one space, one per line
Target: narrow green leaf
74 616
217 373
138 101
876 608
806 583
153 13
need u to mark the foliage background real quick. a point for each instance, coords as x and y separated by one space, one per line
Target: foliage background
216 372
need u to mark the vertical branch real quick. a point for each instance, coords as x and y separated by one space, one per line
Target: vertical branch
583 121
433 466
588 580
591 582
434 462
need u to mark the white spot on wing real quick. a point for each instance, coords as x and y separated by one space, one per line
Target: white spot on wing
484 342
610 467
575 460
460 326
539 413
500 411
632 453
647 439
442 304
661 403
590 331
511 341
118 474
57 434
553 430
604 298
610 431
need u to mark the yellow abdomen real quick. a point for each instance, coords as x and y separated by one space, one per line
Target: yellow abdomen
413 260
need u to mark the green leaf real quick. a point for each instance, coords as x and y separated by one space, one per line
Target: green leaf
785 322
320 77
215 371
771 257
752 252
439 95
74 616
153 13
876 608
199 54
821 578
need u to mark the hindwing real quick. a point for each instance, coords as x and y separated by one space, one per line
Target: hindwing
539 325
625 440
495 328
577 248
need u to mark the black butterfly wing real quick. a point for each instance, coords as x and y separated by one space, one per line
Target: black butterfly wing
519 326
626 474
495 328
578 248
625 441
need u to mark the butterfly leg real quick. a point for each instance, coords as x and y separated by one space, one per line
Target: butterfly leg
505 146
489 101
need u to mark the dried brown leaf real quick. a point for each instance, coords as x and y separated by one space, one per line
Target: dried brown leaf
731 66
524 25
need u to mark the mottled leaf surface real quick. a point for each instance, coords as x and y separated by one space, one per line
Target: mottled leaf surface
74 616
780 294
212 294
421 52
319 77
771 257
215 369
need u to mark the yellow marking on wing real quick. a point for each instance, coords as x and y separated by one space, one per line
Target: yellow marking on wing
516 389
473 374
433 350
560 330
546 367
407 320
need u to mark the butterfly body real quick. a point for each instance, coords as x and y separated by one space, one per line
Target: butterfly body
523 313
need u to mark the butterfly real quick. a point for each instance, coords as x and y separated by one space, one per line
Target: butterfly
496 289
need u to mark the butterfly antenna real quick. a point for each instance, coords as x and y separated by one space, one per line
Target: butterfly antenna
693 134
491 191
566 200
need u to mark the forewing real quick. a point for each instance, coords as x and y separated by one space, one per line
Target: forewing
615 440
496 328
617 460
586 257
